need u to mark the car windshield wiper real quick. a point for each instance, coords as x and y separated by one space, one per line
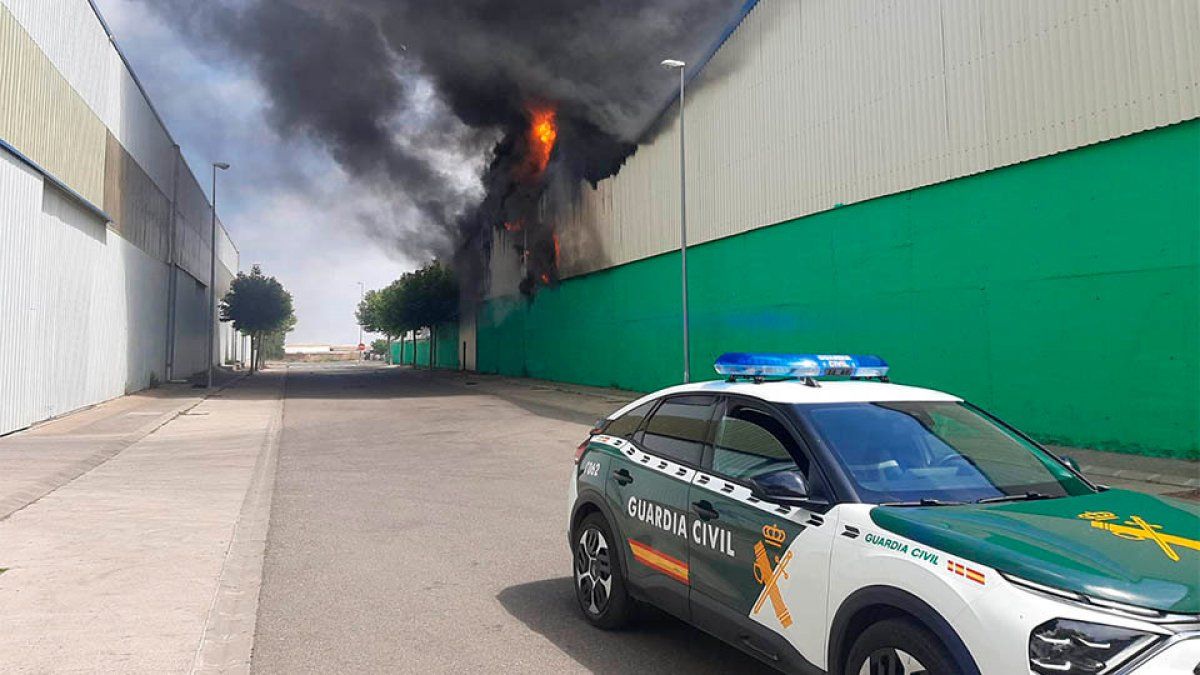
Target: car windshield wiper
1027 497
924 502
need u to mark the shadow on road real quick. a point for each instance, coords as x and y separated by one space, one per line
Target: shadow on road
371 381
656 642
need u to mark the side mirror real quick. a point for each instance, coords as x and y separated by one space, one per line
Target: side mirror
788 487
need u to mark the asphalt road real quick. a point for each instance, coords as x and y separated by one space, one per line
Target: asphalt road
419 525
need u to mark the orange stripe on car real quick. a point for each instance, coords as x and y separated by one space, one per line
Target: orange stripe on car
659 561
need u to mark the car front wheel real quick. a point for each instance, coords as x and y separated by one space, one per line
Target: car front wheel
898 647
599 581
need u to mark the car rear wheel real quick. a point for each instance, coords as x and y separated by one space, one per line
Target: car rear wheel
599 579
898 647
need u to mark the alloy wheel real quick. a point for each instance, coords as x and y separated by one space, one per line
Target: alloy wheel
888 661
593 571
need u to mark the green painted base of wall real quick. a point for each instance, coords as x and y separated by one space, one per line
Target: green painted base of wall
1063 294
447 351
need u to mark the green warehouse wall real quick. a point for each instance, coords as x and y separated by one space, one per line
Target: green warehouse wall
447 351
1061 293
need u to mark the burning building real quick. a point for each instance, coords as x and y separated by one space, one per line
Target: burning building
981 192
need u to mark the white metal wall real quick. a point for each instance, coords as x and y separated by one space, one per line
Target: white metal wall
20 215
815 103
191 325
71 35
82 309
72 38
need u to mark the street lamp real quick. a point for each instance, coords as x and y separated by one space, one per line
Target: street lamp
212 276
360 328
671 64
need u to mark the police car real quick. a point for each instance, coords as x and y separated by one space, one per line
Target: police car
857 526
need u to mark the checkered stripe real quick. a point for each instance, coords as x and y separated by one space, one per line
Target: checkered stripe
714 484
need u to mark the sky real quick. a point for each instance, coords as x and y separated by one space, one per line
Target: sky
286 203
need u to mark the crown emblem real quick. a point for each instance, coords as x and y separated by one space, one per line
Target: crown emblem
775 536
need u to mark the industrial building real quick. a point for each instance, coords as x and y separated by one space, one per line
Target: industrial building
104 230
1001 198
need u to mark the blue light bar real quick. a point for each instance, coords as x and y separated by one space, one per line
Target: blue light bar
759 364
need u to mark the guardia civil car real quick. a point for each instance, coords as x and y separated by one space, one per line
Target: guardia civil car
857 526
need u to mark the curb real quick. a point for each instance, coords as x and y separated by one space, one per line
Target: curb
1140 476
227 642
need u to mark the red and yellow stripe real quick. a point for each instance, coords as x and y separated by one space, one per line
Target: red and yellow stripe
659 561
964 571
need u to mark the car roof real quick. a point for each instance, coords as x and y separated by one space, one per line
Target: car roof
796 391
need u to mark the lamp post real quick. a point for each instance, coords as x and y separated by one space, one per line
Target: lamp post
212 276
673 64
361 292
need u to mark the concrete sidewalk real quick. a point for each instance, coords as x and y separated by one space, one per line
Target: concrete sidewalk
38 460
584 404
148 557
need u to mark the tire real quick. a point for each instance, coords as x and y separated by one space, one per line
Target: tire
596 571
898 647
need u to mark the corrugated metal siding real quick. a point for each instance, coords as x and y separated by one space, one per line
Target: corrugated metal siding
74 40
816 103
141 213
191 325
56 54
20 218
83 310
194 222
227 253
85 306
44 118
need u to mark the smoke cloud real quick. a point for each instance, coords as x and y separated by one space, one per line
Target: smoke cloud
429 103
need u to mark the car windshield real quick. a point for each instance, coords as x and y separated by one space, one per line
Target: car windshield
935 452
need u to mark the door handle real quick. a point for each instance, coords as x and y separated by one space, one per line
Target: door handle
705 510
622 477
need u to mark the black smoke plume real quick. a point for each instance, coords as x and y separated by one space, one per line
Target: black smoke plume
429 102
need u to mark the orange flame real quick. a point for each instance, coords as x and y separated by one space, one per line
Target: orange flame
545 278
543 132
557 249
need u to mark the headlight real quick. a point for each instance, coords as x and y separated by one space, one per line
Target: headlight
1062 646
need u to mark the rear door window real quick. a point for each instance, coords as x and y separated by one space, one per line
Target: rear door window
626 424
679 428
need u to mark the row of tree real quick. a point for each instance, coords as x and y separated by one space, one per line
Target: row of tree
422 299
260 307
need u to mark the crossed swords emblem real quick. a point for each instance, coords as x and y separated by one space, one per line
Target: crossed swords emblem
1137 529
769 576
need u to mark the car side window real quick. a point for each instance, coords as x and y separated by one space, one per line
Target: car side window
751 442
679 428
626 424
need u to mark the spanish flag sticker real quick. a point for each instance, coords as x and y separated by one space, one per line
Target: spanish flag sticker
659 561
964 571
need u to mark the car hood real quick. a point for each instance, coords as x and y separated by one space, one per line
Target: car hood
1115 545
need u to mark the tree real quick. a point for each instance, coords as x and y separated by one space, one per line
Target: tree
430 298
370 315
380 311
370 312
271 345
258 306
381 347
420 299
